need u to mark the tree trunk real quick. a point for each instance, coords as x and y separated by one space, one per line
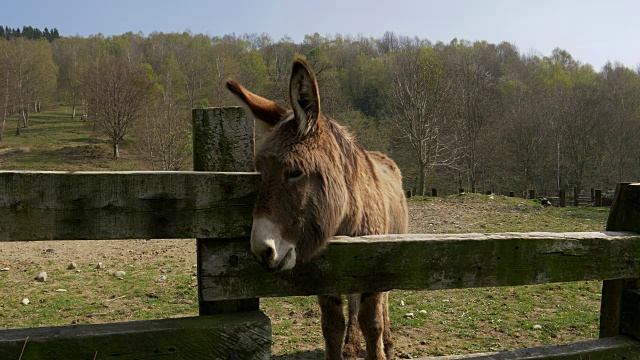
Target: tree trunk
558 163
4 113
116 151
18 125
424 191
25 116
421 178
4 121
73 106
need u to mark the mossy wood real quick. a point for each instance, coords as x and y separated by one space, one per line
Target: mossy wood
619 308
614 348
424 262
238 336
223 140
125 205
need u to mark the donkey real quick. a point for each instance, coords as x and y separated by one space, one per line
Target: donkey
318 182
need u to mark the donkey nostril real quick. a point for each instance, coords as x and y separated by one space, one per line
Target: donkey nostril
267 255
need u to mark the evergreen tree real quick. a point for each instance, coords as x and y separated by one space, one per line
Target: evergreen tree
29 32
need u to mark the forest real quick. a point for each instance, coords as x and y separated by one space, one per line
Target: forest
472 115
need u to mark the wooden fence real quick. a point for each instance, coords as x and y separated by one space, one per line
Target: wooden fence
216 209
596 199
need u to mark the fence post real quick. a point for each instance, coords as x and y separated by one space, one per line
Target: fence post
593 195
460 191
562 199
620 306
532 194
434 192
512 194
576 196
598 200
223 140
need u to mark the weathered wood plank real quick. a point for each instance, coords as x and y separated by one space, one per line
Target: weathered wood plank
625 209
624 216
613 348
125 205
424 262
237 336
630 317
223 140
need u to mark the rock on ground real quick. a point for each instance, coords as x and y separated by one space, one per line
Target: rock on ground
42 276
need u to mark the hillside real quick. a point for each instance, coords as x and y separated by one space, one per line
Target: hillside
54 141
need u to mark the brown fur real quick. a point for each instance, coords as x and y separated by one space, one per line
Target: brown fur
318 182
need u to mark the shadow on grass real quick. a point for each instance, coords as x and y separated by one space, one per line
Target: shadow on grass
86 140
302 355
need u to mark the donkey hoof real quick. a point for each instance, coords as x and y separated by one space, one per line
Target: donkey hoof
389 353
350 351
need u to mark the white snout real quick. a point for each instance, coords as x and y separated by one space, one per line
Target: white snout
269 248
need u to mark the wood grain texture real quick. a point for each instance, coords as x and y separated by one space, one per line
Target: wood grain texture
625 210
125 205
616 314
424 262
614 348
238 336
223 140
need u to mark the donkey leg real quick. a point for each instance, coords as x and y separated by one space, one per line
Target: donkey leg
386 335
332 325
352 342
371 318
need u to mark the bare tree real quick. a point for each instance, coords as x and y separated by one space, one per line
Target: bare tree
621 95
164 128
475 102
416 103
31 73
67 53
584 130
119 89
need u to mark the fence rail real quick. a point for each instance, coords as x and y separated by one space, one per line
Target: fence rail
42 205
216 209
425 262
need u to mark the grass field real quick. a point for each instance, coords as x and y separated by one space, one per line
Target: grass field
54 141
159 280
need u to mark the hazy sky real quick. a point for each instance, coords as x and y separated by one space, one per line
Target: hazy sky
592 31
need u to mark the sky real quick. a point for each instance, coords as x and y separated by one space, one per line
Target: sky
592 32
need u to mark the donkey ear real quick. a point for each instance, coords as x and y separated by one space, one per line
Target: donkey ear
304 97
262 109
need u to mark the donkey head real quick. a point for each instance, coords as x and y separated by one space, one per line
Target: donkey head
302 196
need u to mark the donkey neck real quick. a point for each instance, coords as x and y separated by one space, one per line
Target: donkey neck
361 179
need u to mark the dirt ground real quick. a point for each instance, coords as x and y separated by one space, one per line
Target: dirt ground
297 333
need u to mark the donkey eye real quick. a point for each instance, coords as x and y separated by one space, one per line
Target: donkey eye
293 175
